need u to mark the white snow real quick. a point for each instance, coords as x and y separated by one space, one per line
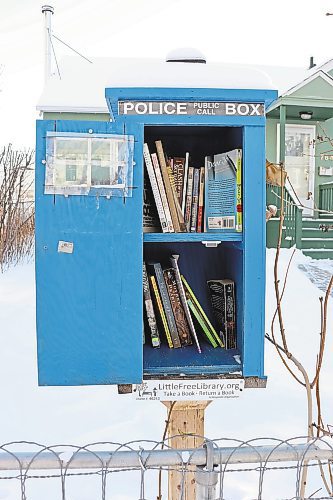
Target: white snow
82 84
78 415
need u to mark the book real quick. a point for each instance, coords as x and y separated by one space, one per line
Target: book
182 227
174 263
190 296
167 185
187 158
151 223
239 207
178 167
221 196
195 200
154 187
222 294
202 323
188 203
162 192
158 272
160 309
201 199
153 330
177 307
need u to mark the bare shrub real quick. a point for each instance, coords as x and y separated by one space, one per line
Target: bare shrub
17 214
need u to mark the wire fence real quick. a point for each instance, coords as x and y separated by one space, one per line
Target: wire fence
223 469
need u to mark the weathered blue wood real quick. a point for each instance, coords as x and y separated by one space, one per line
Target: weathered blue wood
254 194
95 337
89 303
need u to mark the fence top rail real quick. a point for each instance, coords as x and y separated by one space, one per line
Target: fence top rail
326 185
77 458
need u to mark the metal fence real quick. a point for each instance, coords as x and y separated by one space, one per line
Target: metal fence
223 469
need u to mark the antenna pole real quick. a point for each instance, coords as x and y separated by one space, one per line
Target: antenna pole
48 12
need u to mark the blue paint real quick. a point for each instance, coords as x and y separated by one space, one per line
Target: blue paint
89 303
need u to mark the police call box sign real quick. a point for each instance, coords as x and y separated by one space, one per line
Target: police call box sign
188 390
193 108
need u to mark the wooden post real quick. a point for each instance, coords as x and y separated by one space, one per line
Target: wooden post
187 424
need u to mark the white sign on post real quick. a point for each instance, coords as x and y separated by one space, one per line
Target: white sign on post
188 390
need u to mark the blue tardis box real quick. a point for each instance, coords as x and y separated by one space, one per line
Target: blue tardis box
175 179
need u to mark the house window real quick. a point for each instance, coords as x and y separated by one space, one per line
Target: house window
85 164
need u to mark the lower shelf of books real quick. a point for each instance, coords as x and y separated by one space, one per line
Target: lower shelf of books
193 308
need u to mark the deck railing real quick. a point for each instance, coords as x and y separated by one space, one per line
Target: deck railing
326 198
292 224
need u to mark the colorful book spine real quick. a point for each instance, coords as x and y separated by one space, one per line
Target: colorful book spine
174 263
162 192
154 186
161 310
201 199
190 295
188 205
186 166
167 185
179 213
154 334
239 207
166 304
202 323
177 307
195 200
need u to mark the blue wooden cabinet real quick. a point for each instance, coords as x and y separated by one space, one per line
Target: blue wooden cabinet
90 247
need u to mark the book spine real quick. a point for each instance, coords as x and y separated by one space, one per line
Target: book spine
190 295
195 200
188 205
201 322
154 334
187 159
166 304
180 217
167 185
161 310
178 173
239 207
201 199
217 298
177 307
156 193
230 314
174 263
151 221
162 192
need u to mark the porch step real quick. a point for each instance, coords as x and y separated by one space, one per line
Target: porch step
315 232
326 243
308 223
316 253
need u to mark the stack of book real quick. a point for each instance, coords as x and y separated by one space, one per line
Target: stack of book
194 199
172 307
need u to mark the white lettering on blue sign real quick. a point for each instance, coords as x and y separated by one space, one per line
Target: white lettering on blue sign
191 108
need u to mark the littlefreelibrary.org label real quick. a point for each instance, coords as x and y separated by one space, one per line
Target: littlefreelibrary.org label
187 390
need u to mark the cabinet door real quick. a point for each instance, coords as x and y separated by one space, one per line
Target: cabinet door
88 256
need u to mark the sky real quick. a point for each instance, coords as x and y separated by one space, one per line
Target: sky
284 33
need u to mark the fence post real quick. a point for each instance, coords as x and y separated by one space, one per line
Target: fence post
187 425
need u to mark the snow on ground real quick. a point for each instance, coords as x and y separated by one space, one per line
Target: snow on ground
80 415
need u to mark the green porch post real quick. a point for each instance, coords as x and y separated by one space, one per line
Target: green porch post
282 134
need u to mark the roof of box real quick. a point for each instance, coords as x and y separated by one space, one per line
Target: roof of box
81 87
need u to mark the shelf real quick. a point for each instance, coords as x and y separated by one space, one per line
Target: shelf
187 360
192 237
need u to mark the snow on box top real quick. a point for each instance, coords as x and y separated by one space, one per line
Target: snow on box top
82 84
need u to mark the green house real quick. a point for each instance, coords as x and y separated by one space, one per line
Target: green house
300 134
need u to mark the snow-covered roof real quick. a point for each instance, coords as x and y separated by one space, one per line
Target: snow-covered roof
81 87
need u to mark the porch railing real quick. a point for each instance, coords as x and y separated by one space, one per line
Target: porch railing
326 198
292 224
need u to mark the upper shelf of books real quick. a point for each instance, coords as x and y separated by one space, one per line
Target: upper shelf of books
192 183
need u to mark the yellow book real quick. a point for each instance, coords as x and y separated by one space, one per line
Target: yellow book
239 207
161 311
